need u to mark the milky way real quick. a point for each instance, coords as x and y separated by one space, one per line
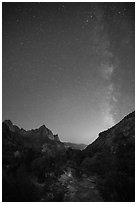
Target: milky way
69 66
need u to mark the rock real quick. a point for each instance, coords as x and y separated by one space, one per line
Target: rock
121 134
32 138
56 138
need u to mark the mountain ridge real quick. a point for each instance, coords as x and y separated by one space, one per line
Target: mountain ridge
49 166
123 127
47 133
42 131
112 157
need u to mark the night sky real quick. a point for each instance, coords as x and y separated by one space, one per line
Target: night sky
70 66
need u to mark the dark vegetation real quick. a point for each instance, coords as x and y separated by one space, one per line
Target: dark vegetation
33 172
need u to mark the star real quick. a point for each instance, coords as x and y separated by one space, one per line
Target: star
59 50
86 20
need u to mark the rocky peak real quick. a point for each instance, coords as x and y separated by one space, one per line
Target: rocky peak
43 127
56 138
42 131
8 123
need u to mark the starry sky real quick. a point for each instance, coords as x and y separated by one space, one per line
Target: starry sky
70 66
